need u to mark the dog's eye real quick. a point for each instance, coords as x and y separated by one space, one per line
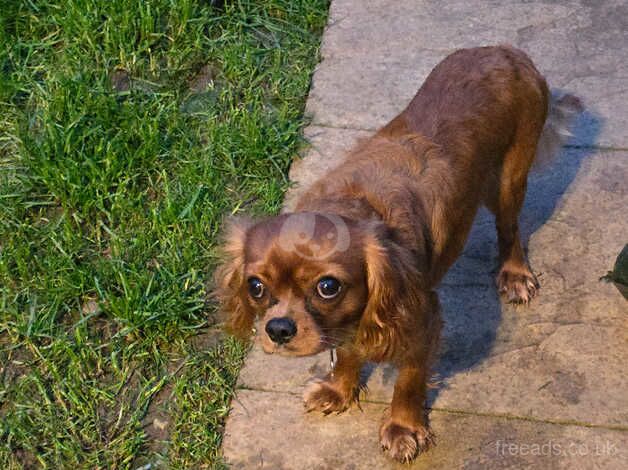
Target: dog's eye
328 287
256 287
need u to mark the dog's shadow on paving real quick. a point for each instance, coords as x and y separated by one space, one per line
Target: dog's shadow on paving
471 306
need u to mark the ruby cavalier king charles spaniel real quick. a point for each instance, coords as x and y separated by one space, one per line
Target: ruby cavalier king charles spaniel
355 265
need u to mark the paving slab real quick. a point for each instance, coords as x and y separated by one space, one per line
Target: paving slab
269 431
553 372
326 149
377 53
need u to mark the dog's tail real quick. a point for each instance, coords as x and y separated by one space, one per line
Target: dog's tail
563 111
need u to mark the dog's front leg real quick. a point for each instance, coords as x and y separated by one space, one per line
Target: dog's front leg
339 389
405 431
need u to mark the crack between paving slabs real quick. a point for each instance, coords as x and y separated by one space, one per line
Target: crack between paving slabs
568 146
558 422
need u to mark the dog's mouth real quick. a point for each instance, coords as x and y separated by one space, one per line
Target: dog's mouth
300 345
280 349
288 336
295 349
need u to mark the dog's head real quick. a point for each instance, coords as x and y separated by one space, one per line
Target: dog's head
315 281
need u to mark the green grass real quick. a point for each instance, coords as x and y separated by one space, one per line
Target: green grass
128 129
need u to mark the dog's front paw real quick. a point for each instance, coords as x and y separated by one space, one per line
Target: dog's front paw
403 443
324 396
518 286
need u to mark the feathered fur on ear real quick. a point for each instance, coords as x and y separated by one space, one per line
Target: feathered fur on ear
396 294
229 279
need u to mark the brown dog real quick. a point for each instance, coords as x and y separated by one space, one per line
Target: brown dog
356 265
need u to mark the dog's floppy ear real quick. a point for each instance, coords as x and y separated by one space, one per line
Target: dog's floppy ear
394 287
229 279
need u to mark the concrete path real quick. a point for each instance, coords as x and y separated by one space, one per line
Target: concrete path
544 387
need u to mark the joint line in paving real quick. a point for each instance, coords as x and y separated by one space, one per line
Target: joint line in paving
438 409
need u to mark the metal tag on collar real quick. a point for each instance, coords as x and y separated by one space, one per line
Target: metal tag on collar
333 357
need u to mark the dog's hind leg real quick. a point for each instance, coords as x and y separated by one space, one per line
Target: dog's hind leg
515 279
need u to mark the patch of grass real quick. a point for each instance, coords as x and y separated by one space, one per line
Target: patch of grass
127 130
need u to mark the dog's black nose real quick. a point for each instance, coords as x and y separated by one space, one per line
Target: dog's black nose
281 330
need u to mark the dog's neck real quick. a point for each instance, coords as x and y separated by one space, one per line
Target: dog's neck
380 182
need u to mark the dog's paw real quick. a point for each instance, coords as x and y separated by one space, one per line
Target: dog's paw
518 286
323 396
402 443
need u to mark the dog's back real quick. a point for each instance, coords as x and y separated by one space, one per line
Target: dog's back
476 102
469 136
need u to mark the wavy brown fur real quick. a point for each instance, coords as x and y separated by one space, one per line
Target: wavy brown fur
404 200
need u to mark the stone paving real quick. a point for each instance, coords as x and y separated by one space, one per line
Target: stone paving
540 387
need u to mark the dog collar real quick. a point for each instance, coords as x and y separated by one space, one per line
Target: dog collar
332 360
